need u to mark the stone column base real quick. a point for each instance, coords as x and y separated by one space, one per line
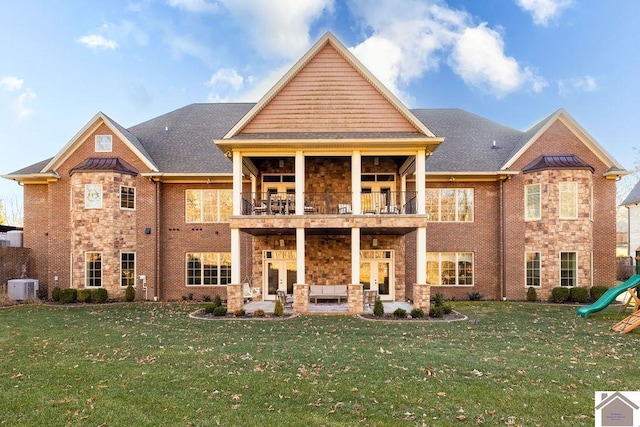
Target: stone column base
422 296
301 298
234 297
355 298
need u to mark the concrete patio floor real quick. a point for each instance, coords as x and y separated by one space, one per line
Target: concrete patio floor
326 307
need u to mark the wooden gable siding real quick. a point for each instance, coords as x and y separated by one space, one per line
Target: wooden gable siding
328 95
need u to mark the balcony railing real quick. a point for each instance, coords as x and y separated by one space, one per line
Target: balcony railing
329 203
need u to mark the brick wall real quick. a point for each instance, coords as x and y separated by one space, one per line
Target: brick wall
14 262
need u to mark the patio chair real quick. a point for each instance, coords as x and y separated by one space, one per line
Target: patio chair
284 299
248 292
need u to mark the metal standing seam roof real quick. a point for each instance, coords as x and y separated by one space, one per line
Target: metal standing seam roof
568 161
104 164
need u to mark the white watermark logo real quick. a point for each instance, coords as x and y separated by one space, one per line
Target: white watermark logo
617 408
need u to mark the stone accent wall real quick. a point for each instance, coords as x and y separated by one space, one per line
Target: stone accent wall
235 300
355 297
301 298
422 296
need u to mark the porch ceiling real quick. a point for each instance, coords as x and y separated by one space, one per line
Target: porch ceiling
383 231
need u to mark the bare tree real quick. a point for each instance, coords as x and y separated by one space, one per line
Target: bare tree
11 212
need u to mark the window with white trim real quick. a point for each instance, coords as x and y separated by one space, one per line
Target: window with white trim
568 269
450 268
103 143
532 202
93 196
532 269
208 268
127 197
568 200
93 269
127 269
202 206
449 204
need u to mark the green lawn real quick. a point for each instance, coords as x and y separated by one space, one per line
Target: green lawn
150 364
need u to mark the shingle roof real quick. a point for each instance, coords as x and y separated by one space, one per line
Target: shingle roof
633 196
182 141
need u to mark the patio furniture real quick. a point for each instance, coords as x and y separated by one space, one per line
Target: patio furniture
327 292
248 292
286 300
259 208
344 208
391 209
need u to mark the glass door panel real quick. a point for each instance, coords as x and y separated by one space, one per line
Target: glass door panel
365 275
292 273
273 276
383 277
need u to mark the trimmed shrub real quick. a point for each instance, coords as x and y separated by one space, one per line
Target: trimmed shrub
436 311
258 313
378 308
532 294
446 308
84 295
99 295
217 301
417 313
579 294
560 294
278 309
208 309
55 294
68 295
130 293
475 296
438 300
400 313
239 312
206 298
220 311
597 291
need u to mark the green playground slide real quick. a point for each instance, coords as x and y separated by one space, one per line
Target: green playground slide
609 296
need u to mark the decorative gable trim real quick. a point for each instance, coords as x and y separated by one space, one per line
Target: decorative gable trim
564 117
329 39
97 120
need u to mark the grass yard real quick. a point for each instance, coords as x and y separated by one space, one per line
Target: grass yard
150 364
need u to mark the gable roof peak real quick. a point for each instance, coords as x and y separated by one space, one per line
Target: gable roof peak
329 39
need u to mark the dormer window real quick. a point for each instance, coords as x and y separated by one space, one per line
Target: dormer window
103 143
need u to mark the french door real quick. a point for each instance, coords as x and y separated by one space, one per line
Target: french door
279 272
376 273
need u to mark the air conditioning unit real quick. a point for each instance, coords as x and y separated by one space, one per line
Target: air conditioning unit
21 289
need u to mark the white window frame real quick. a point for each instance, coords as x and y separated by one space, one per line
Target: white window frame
456 197
527 214
98 143
526 269
135 197
218 276
216 215
575 269
135 266
86 270
562 194
457 270
93 201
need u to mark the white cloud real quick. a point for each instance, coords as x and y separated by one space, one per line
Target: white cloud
581 84
96 41
409 38
22 105
196 6
478 58
544 11
224 81
10 83
279 27
186 45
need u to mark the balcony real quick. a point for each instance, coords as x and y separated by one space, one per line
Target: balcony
330 203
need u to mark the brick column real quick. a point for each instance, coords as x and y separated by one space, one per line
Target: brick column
422 296
300 298
234 297
355 298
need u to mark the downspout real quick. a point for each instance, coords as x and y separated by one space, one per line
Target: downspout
503 244
156 268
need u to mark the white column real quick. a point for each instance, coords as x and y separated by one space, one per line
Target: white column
236 260
420 184
403 191
300 184
421 255
355 255
254 187
356 171
300 265
237 184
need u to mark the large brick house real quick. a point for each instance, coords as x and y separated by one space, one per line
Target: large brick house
328 179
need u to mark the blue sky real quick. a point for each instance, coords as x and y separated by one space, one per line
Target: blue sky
512 61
